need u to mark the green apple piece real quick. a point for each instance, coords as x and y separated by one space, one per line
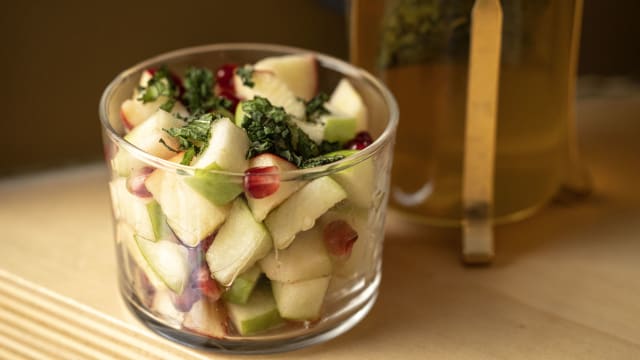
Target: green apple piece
315 131
338 128
301 300
346 100
300 211
242 286
261 207
239 115
226 151
189 214
240 242
260 313
125 234
147 137
144 215
134 112
168 260
268 85
359 181
206 318
298 71
306 258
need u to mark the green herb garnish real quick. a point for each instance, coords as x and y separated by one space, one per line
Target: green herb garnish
246 73
160 84
194 136
270 129
198 92
315 107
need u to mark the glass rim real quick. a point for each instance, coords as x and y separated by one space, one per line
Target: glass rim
326 61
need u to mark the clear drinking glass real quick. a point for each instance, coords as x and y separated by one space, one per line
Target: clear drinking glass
421 49
161 241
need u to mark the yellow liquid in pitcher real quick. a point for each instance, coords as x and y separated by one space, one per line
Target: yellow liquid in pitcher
532 124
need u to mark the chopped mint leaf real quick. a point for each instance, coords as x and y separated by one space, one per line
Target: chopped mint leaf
329 146
246 73
160 84
188 156
315 107
270 130
194 136
198 92
321 160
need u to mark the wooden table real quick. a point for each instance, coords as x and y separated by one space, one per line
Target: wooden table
565 283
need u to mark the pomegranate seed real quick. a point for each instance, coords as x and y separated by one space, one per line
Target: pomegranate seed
339 237
359 142
224 76
135 182
260 182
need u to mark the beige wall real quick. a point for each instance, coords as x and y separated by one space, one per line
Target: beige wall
59 55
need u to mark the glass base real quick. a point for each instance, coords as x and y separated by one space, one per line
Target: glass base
328 328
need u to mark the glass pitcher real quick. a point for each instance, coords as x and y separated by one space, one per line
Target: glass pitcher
486 93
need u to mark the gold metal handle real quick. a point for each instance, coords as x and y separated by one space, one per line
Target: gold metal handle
480 131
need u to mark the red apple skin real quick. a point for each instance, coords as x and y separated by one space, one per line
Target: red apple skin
260 182
125 121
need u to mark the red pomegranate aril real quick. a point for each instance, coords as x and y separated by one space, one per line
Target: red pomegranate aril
260 182
135 182
360 141
339 238
224 76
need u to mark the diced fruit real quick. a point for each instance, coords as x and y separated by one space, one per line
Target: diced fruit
168 260
258 314
267 85
346 100
239 115
339 238
359 180
306 258
227 147
362 258
206 318
135 182
261 206
134 112
315 131
186 299
144 215
300 300
243 286
299 72
300 211
338 128
226 151
224 76
147 137
240 242
190 215
126 234
260 182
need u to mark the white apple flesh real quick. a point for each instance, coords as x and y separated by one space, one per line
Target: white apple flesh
300 211
298 71
268 85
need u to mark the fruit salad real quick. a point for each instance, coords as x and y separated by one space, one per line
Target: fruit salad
234 233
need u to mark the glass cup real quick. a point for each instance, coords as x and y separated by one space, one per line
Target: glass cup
423 51
166 229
